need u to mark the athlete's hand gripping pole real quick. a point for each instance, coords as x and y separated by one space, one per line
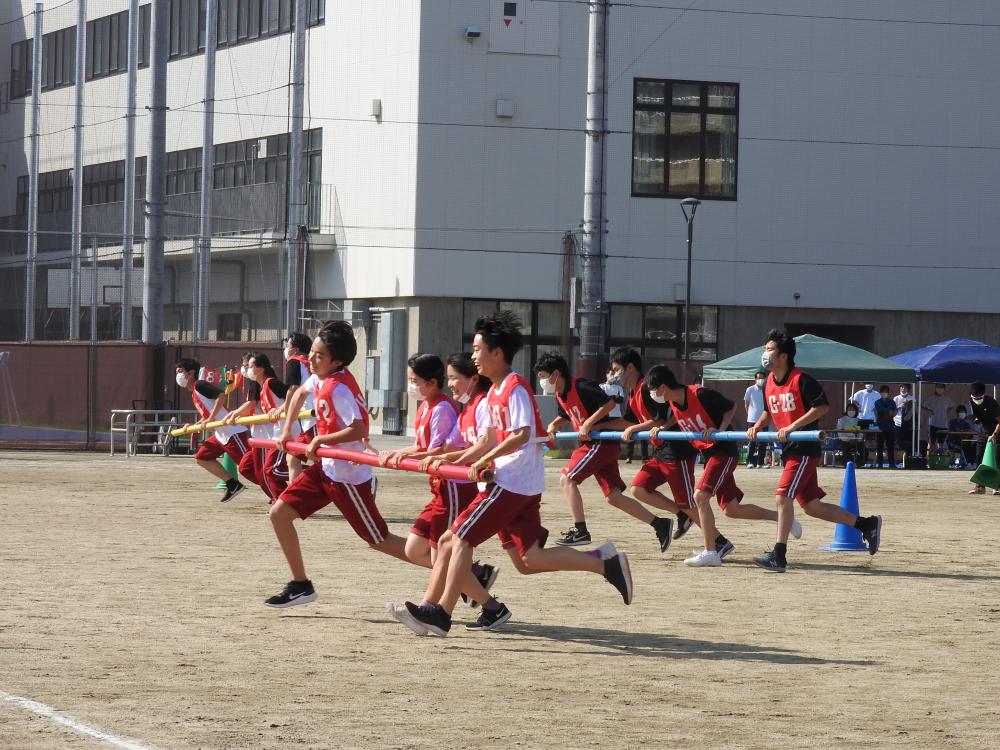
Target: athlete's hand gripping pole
256 419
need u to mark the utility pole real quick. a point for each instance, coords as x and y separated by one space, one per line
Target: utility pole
31 255
593 312
76 240
296 204
204 266
156 177
128 221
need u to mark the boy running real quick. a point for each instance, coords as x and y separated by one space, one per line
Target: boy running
794 400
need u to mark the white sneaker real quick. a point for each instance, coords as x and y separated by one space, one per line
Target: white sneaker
402 615
704 559
607 550
796 528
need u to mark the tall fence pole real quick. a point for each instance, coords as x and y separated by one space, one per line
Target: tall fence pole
156 178
31 256
93 291
76 240
128 220
295 190
204 268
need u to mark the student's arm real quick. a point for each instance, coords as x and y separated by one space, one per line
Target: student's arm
760 424
555 424
816 412
514 441
354 432
246 409
591 422
292 408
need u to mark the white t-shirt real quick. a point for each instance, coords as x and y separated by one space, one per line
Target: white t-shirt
900 401
755 397
866 403
939 406
616 392
347 411
522 472
311 384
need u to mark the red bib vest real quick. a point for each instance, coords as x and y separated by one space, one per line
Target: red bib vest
637 405
573 405
327 419
499 403
467 419
694 418
423 420
268 400
784 402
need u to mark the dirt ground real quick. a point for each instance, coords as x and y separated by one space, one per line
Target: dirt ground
132 603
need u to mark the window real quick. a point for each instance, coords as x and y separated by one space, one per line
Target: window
58 59
184 171
684 139
187 28
20 69
107 43
657 331
105 183
55 192
263 160
245 20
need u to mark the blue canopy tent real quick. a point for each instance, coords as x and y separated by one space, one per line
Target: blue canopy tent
952 361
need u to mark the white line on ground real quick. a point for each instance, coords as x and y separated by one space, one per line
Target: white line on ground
77 726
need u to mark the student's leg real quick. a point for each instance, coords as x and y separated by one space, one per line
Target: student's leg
207 458
748 511
418 550
579 467
706 518
310 493
282 518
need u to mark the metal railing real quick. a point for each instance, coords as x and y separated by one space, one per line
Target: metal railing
148 428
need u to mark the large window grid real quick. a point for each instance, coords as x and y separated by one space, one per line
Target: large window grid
59 59
55 192
105 183
657 331
684 139
20 69
107 43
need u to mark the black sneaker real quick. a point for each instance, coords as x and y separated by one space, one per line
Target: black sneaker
490 620
684 523
724 548
296 592
617 573
233 488
770 562
664 527
574 538
434 618
486 575
873 535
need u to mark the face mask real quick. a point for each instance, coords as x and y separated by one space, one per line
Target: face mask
978 399
182 380
657 397
614 378
251 373
547 386
765 360
760 382
243 372
869 386
287 354
852 413
464 398
413 392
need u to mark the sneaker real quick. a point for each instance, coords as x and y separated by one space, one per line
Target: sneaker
490 620
295 592
233 488
664 528
704 559
796 528
873 535
486 576
402 615
770 562
433 618
574 538
607 550
684 523
617 573
751 466
724 549
996 492
978 490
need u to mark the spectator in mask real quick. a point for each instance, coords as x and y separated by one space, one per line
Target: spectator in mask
753 405
847 442
986 410
903 420
865 399
965 448
885 442
939 406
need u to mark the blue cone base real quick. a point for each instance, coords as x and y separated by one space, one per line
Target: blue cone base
847 538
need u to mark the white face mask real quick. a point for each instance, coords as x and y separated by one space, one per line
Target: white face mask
547 386
464 398
614 378
182 380
852 413
869 386
978 399
413 392
760 382
251 373
243 372
286 353
657 397
765 359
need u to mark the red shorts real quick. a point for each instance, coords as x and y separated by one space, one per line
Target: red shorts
275 473
718 479
235 447
251 465
799 480
450 499
516 519
678 474
598 459
313 490
307 436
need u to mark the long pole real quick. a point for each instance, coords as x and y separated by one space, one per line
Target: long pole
76 241
128 220
204 268
93 292
31 256
295 192
592 235
687 300
156 178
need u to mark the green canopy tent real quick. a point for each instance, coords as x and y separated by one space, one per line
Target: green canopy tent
823 359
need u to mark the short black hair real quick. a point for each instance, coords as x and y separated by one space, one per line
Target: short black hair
262 361
760 372
462 363
626 356
661 375
977 389
300 341
552 362
338 337
188 364
428 367
784 342
501 329
885 388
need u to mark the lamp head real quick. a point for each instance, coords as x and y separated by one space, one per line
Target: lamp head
691 203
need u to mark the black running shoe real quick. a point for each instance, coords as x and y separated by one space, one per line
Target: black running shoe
770 563
486 574
574 538
873 534
233 488
296 592
724 548
684 523
434 618
617 573
490 620
664 528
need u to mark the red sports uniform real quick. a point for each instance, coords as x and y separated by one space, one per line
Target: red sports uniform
698 415
786 402
436 421
350 487
298 373
598 458
229 440
672 461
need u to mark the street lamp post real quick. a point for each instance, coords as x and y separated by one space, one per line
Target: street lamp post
693 204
